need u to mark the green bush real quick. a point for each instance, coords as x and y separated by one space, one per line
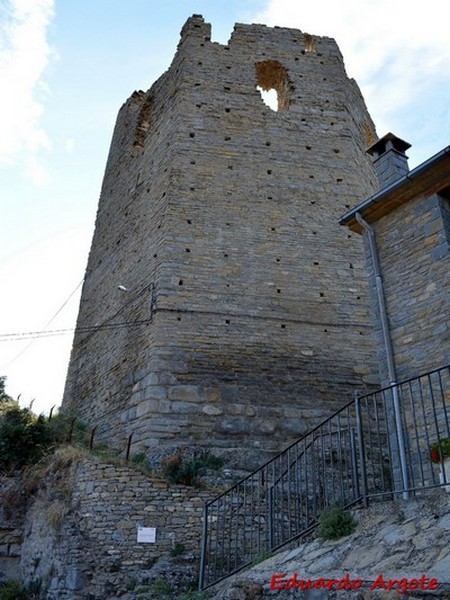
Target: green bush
13 590
194 595
24 438
159 589
65 428
178 549
334 523
189 471
261 557
440 450
3 395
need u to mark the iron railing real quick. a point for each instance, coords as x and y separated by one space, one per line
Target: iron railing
377 446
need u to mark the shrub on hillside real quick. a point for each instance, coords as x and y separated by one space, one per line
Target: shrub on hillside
335 522
188 471
24 437
14 590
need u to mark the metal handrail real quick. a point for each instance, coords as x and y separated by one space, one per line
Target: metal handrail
350 457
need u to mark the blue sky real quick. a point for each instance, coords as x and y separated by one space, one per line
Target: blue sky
66 67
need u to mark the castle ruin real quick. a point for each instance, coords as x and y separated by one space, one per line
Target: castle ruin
223 305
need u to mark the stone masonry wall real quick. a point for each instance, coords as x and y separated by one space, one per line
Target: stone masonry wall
413 244
12 513
85 546
246 321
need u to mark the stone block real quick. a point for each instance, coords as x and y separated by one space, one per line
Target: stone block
186 393
75 579
211 409
151 405
150 379
233 426
14 550
185 407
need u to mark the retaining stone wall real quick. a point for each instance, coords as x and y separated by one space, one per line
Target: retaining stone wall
92 550
12 512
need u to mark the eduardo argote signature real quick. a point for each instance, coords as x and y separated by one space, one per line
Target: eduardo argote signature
281 581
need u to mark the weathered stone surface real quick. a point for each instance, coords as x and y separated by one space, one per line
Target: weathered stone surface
414 253
93 550
221 216
12 515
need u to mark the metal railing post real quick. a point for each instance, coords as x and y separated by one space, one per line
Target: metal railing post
201 580
72 424
362 455
271 523
91 441
127 453
354 463
401 442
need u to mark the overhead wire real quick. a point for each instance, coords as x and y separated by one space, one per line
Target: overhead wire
22 352
105 324
27 335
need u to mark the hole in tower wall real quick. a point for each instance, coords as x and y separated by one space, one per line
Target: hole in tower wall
269 97
143 122
272 81
308 40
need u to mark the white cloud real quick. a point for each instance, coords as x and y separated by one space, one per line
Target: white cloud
394 50
69 145
36 171
39 285
25 54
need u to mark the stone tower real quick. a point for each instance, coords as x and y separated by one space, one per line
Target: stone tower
244 317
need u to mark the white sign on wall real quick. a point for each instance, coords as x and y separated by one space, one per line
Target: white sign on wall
146 535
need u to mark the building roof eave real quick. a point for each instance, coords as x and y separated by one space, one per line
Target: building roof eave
427 178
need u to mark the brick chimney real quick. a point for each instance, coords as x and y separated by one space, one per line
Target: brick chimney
390 160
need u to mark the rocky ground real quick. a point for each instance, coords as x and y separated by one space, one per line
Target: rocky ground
404 541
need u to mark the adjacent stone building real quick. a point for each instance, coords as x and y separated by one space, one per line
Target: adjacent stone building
223 306
407 230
